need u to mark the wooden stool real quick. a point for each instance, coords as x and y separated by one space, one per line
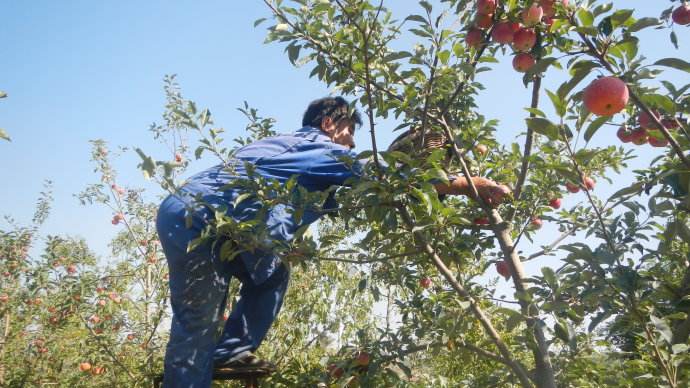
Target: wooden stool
251 379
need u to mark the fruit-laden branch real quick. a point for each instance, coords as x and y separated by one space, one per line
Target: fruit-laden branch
545 375
598 212
107 350
510 361
319 47
367 78
593 51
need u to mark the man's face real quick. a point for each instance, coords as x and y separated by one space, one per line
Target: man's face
341 132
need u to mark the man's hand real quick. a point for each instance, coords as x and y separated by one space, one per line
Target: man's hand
492 193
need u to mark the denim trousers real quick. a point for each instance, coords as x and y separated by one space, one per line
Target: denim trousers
198 292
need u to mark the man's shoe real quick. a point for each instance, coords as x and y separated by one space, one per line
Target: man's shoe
247 364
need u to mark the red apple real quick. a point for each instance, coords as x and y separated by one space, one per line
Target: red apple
474 38
425 283
503 32
130 337
94 319
623 134
681 15
486 6
335 371
638 136
484 21
657 142
670 123
97 370
548 7
117 218
178 157
555 203
84 366
4 298
117 189
524 39
573 188
536 223
523 62
362 359
72 269
646 121
101 302
606 96
532 16
503 269
588 183
481 149
115 297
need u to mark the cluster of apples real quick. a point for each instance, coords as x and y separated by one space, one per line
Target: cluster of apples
521 36
647 131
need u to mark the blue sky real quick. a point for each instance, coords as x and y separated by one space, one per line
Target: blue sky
81 70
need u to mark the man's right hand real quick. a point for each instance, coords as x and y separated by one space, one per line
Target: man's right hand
492 193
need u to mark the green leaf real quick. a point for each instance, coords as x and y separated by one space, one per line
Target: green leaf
643 23
560 328
620 17
259 21
444 56
540 67
662 328
578 72
594 126
543 126
147 165
634 188
549 277
606 26
417 18
293 52
674 39
659 101
4 135
674 63
586 18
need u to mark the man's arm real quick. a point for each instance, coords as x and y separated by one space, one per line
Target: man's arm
491 192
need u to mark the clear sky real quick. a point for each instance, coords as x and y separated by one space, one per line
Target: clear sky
81 70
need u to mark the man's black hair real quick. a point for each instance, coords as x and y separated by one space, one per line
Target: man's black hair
337 108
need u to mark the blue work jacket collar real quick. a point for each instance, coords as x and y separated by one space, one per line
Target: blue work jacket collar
313 134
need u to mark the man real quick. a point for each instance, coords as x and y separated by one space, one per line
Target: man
199 279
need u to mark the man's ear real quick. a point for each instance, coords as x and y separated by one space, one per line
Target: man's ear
327 124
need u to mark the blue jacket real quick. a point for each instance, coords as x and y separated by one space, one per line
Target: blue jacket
308 153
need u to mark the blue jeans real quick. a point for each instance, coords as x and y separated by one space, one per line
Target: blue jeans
198 290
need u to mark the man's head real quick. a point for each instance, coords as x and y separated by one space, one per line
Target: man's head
335 118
